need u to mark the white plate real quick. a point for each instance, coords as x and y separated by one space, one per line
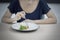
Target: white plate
32 26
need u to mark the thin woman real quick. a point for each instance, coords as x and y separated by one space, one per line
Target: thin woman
29 10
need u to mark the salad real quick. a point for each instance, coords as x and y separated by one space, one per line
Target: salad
22 27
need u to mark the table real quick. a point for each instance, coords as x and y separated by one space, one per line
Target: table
45 32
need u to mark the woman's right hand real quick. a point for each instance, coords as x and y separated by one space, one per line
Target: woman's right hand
19 15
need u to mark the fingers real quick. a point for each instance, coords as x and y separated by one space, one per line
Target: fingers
21 14
18 17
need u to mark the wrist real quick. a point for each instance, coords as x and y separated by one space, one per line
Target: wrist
14 21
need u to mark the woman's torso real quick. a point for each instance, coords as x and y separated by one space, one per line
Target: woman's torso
35 14
32 11
29 6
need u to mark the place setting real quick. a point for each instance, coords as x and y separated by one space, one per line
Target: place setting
25 26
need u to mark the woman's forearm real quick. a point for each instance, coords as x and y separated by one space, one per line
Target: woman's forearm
7 20
46 21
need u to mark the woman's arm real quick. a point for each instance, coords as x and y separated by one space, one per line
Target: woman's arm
50 20
7 17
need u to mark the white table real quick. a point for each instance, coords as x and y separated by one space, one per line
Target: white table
45 32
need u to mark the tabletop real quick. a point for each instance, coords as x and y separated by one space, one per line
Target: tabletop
45 32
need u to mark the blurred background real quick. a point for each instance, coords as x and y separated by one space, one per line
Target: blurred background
49 1
54 5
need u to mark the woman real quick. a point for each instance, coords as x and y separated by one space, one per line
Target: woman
29 10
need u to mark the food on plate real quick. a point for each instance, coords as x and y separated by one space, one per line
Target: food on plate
23 27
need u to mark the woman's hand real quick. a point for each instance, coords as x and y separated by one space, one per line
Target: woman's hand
7 18
19 15
23 14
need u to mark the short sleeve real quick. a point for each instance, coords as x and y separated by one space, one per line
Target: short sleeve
12 6
45 7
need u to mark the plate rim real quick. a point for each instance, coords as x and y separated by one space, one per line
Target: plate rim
26 30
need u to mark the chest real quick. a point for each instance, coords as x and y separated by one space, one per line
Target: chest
30 6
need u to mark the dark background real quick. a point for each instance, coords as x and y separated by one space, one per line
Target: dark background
49 1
